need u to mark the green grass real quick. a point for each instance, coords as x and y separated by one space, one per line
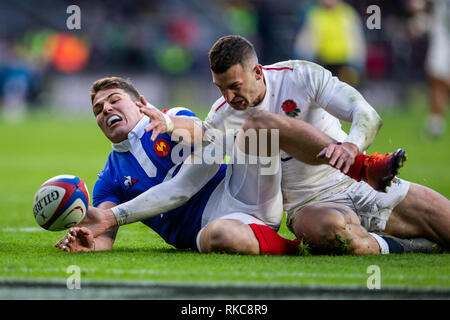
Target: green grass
44 146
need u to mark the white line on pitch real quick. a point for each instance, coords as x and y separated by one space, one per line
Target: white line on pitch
215 273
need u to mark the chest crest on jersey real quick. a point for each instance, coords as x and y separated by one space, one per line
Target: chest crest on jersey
161 148
129 182
290 108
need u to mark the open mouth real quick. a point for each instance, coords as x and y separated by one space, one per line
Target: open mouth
113 120
237 104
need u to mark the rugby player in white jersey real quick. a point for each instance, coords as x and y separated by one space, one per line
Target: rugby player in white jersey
325 207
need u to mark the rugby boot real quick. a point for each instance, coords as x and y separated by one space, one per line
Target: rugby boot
414 245
379 170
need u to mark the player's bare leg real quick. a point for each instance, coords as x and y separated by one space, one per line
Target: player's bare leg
307 144
330 228
423 213
333 229
438 97
230 236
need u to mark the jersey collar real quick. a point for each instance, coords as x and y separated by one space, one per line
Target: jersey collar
137 132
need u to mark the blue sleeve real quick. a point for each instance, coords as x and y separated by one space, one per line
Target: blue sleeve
186 112
103 192
178 111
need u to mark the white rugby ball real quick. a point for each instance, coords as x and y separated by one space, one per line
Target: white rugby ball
61 202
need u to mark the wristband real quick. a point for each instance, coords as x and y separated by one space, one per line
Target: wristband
169 123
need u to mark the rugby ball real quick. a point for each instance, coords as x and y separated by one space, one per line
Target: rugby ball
61 202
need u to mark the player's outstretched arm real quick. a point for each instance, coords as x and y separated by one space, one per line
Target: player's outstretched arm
187 127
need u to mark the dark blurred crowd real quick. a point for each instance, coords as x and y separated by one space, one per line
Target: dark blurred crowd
172 37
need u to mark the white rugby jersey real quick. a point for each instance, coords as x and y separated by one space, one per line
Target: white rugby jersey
309 92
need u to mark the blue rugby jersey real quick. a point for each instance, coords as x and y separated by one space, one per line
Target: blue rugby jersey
137 164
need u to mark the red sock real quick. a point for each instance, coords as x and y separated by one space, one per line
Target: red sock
356 169
271 242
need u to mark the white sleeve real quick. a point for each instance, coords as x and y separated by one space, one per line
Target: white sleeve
344 102
167 195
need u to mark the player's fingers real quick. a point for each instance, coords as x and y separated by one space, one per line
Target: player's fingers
152 114
155 134
348 163
330 150
140 105
340 162
84 231
144 109
71 238
335 156
143 100
150 127
61 241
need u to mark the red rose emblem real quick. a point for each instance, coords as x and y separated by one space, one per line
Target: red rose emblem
290 107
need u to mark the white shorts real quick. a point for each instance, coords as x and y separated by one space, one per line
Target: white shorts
372 207
247 195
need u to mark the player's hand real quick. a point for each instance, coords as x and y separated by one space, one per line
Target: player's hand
158 122
77 240
341 155
98 220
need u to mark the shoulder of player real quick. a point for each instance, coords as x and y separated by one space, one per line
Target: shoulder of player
293 65
307 72
220 104
219 108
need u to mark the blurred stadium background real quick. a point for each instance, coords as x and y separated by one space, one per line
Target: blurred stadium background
162 46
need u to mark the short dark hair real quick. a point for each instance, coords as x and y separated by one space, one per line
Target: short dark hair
112 83
228 51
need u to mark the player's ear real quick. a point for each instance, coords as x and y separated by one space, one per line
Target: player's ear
258 72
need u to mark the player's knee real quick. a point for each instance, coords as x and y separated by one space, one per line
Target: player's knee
222 235
319 226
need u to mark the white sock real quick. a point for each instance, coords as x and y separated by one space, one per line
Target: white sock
384 247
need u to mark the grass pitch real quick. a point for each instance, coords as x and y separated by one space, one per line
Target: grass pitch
47 145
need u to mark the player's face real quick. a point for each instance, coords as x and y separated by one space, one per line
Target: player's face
116 113
241 88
